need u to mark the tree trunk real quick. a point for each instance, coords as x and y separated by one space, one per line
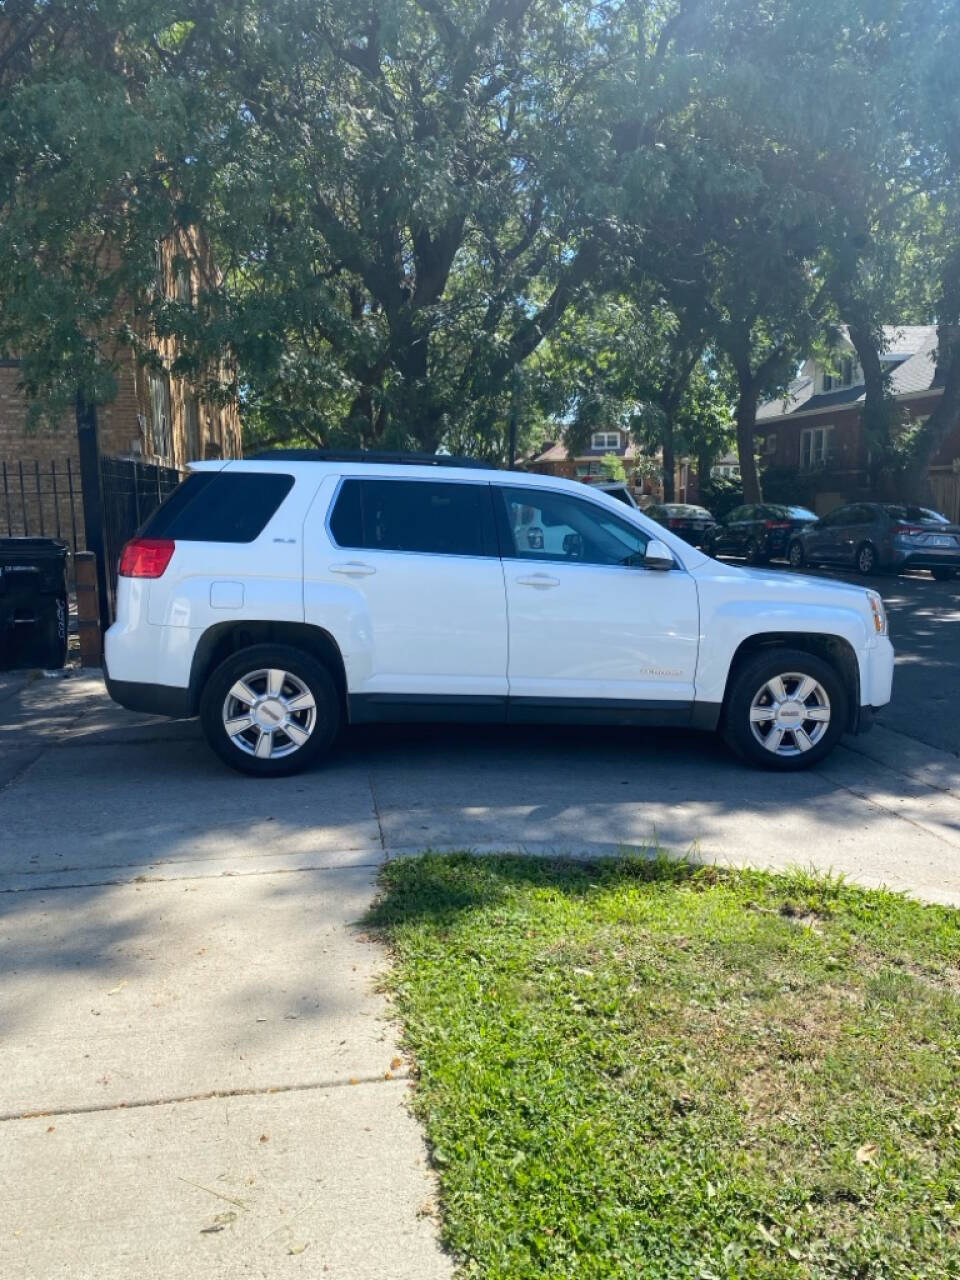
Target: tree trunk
879 408
746 425
945 417
669 461
704 466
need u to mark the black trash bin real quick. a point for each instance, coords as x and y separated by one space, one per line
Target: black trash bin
33 603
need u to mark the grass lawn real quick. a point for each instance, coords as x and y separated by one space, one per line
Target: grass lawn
643 1069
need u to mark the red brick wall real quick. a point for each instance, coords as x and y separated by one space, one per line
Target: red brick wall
125 427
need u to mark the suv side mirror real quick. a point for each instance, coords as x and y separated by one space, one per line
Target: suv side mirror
658 555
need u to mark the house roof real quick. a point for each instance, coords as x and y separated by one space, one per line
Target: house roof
557 452
910 348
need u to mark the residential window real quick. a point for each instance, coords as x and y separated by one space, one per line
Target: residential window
815 447
158 390
605 440
770 445
847 373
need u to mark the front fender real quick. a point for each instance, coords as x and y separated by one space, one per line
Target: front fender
728 625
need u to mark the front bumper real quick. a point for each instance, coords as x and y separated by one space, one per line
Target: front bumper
876 681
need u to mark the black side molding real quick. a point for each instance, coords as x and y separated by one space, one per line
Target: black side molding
380 708
426 708
153 699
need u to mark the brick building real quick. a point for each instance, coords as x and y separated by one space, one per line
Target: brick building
154 417
816 431
553 459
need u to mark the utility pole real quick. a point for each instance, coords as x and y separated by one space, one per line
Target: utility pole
89 451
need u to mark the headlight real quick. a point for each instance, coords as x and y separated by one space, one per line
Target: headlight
879 613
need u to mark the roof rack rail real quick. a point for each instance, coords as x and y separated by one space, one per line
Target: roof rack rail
365 455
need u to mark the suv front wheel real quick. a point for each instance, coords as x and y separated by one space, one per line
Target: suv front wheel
786 709
270 710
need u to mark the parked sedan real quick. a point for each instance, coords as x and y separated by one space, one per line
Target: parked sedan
691 523
758 532
881 537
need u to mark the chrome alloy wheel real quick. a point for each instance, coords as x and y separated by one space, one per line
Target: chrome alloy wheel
269 713
789 714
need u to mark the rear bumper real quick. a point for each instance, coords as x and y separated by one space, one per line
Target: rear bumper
925 558
153 699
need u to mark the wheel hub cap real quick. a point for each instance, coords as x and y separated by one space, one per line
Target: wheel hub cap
269 713
790 714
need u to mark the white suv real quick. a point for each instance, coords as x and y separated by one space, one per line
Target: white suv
286 595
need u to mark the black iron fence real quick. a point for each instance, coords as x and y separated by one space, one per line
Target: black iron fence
42 499
45 499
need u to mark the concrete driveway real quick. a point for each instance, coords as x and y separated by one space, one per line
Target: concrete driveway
190 1008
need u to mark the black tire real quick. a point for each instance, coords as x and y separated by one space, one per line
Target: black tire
752 552
795 555
747 683
944 574
306 670
866 559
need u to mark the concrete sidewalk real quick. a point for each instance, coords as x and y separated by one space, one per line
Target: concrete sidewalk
188 1002
199 1075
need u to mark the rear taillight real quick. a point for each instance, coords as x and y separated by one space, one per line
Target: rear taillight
146 557
676 524
776 524
908 528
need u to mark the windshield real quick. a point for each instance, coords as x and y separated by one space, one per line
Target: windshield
916 515
800 513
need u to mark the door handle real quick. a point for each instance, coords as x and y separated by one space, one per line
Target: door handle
542 581
353 569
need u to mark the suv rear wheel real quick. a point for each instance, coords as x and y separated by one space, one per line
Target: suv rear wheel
270 710
786 709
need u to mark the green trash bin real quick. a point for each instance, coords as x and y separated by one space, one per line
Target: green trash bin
33 603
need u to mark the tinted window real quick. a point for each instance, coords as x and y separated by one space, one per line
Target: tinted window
428 517
917 515
545 525
862 515
219 506
621 495
346 522
840 516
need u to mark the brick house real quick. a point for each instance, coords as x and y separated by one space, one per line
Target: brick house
154 416
816 431
553 459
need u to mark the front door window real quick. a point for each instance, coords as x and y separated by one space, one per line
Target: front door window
557 527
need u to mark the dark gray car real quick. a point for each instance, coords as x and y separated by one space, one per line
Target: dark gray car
880 537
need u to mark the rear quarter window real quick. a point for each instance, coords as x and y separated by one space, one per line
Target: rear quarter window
219 506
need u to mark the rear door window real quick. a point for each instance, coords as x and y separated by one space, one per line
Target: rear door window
219 506
428 517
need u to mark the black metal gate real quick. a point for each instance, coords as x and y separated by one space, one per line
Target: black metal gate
45 499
